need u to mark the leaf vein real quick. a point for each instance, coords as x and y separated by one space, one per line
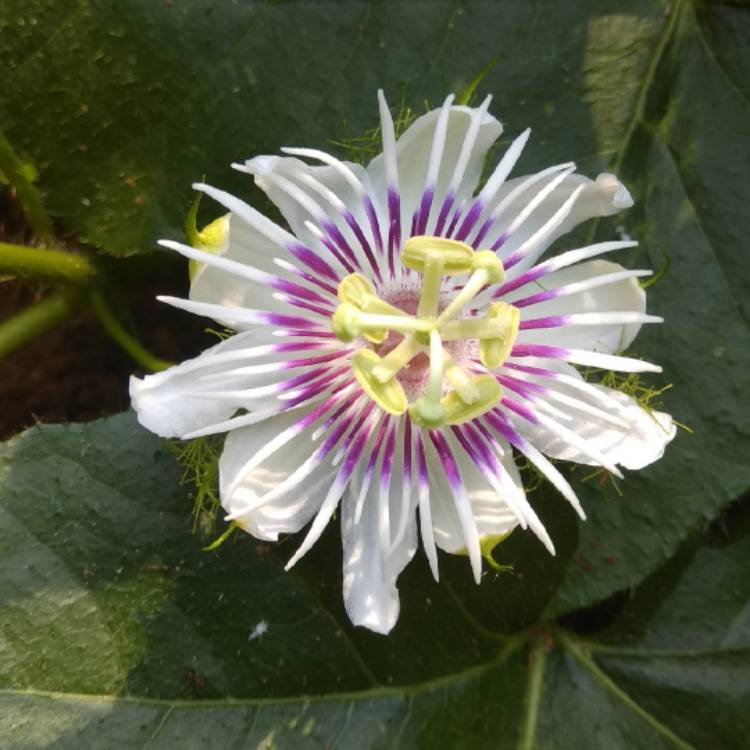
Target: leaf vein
610 685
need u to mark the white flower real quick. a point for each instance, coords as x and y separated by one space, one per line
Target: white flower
400 342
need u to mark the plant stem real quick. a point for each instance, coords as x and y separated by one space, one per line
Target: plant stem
55 265
127 342
537 660
20 175
36 320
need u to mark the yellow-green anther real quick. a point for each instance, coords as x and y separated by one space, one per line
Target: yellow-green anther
397 359
460 380
471 328
487 261
390 395
376 336
458 411
493 351
456 256
357 290
348 322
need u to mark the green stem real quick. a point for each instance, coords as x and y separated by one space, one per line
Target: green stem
55 265
465 96
537 660
19 175
127 342
221 539
35 320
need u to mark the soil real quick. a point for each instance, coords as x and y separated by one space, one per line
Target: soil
75 372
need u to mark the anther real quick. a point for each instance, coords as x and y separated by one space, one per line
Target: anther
460 380
456 257
435 257
356 290
389 396
458 411
493 351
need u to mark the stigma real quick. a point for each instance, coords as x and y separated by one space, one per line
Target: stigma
450 391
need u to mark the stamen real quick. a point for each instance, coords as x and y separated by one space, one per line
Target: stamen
457 257
357 290
496 333
363 313
397 359
493 351
428 411
487 269
348 323
460 380
390 395
429 299
458 411
471 328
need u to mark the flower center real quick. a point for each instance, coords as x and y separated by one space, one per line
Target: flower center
420 346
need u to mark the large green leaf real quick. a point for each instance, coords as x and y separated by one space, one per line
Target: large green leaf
132 101
117 632
691 193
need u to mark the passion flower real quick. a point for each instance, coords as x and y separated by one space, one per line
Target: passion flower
399 342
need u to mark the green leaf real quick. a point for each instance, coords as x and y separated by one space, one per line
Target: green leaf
678 158
134 101
680 648
118 631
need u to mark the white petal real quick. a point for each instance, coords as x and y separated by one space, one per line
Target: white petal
413 150
364 195
370 593
638 442
505 479
281 239
162 401
491 515
290 511
308 193
247 246
623 296
601 197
